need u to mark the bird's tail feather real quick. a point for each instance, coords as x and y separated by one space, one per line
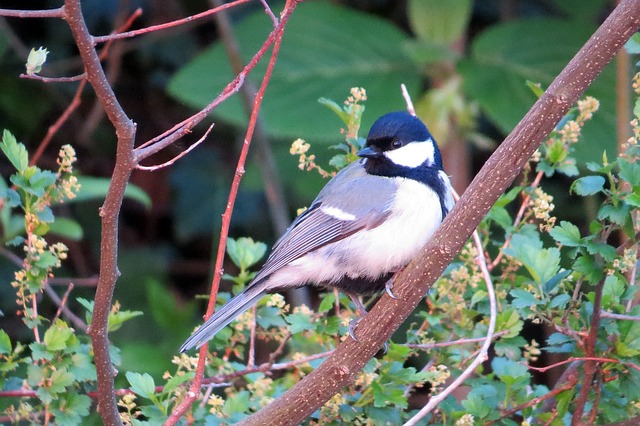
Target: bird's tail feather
224 316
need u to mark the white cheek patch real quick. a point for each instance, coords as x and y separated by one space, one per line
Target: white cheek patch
337 213
412 154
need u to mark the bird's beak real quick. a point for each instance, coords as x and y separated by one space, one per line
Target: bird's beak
368 152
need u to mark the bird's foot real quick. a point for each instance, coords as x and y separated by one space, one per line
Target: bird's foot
388 288
354 322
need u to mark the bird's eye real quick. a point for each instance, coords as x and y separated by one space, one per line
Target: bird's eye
396 144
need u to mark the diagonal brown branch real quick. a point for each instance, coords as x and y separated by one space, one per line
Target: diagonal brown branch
497 174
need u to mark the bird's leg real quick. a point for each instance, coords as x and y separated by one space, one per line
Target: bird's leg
361 310
354 322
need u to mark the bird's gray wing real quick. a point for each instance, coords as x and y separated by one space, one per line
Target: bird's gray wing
351 201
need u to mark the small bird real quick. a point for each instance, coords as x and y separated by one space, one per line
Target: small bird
366 224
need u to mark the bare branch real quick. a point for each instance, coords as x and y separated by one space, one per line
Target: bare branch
46 13
159 27
177 157
276 39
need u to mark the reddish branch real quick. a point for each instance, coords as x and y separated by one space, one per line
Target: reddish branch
194 389
498 173
591 365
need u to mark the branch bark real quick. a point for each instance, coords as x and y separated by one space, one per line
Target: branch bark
497 174
110 211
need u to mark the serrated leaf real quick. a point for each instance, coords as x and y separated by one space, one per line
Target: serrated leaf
588 185
560 301
509 320
371 59
15 152
629 171
541 263
244 252
510 372
141 384
56 336
5 343
566 234
617 214
299 322
118 318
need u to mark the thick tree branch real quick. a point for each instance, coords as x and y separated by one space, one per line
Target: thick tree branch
125 131
494 178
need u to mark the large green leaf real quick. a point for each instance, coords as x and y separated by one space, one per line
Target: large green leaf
326 50
506 56
95 188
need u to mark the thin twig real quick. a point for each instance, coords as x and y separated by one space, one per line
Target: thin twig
407 99
177 157
535 401
611 315
426 346
583 358
63 302
44 79
75 320
45 13
269 12
166 25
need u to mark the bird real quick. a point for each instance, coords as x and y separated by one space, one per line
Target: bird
365 225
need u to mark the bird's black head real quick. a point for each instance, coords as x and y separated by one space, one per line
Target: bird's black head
399 144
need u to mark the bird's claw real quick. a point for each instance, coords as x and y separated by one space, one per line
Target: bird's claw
353 324
388 287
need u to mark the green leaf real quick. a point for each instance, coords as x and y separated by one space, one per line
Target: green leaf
505 56
541 263
116 319
364 53
629 171
327 302
480 400
510 320
633 48
5 343
15 152
300 322
510 347
59 380
141 384
510 372
617 214
94 188
385 395
67 228
588 185
176 381
566 234
70 409
559 343
55 338
437 21
523 298
560 301
244 252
